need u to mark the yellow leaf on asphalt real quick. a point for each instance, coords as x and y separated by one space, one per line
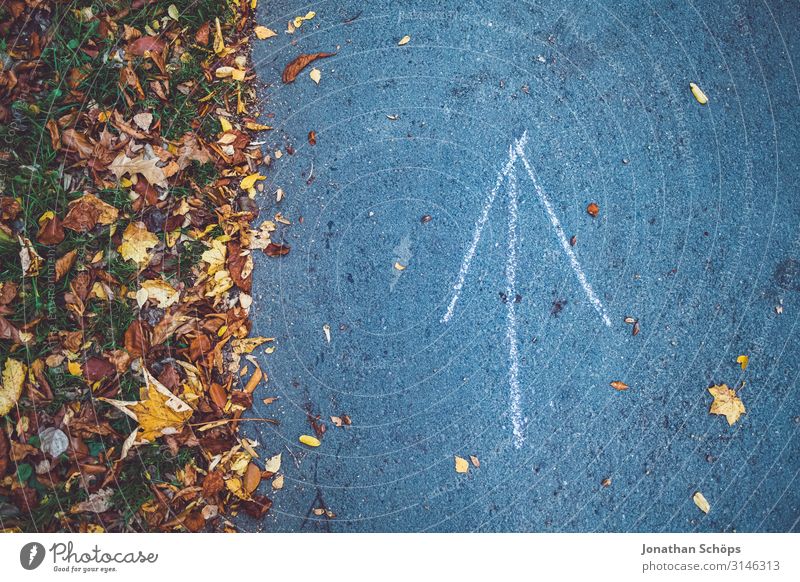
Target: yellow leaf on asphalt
13 380
404 40
262 32
701 502
462 465
726 403
137 243
743 361
315 75
309 440
698 94
250 181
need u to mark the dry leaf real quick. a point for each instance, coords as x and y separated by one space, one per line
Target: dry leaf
160 291
593 209
309 440
617 385
726 403
98 502
698 94
148 168
743 361
137 242
262 32
701 502
404 40
13 380
277 482
273 464
315 75
474 460
301 62
462 466
30 259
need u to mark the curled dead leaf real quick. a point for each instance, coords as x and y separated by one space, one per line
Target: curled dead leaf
299 63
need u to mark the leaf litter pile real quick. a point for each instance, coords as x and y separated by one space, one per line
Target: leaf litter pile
128 178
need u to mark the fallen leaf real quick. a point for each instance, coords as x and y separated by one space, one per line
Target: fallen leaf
51 231
462 465
29 258
250 181
399 267
701 502
159 291
743 361
88 211
277 482
593 209
474 460
98 502
617 385
53 441
309 440
252 478
262 32
698 94
144 120
404 40
13 380
273 464
145 44
726 403
276 250
64 263
148 168
137 242
301 62
158 412
316 75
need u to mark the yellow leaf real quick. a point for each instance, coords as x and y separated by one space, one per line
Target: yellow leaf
173 12
277 482
701 502
137 242
399 267
219 44
698 94
158 412
250 181
309 440
315 75
262 32
161 292
404 40
225 124
462 465
726 403
74 368
13 380
743 361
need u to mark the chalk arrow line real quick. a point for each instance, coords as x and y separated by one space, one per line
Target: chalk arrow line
516 151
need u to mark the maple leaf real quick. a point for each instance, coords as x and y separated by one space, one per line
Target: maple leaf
726 403
149 169
136 244
158 412
11 389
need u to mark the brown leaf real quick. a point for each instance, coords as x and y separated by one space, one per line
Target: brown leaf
301 62
258 506
146 43
77 142
8 292
617 385
203 34
252 478
64 264
276 250
97 369
51 232
213 483
593 209
136 342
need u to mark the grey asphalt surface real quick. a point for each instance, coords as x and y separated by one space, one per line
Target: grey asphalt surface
697 238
